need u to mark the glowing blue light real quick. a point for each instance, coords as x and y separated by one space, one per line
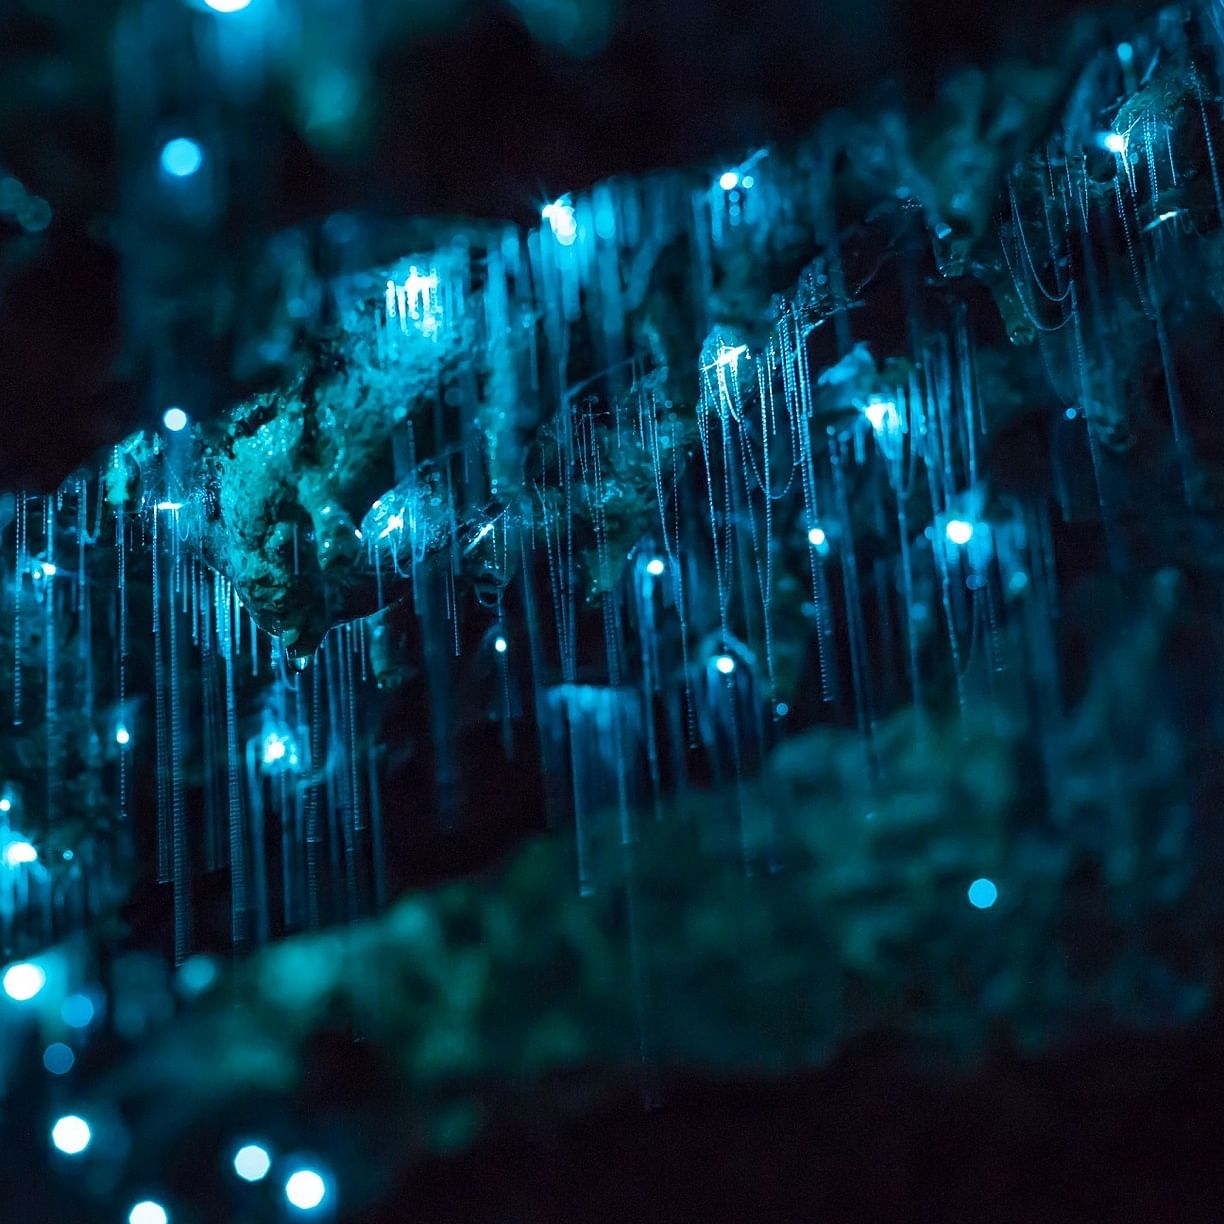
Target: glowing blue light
1071 414
501 645
23 981
48 570
175 420
123 736
18 852
959 531
6 804
1126 53
58 1058
560 216
196 974
817 537
729 355
77 1011
655 567
148 1212
252 1162
227 6
781 709
274 749
71 1135
181 158
882 415
983 893
747 182
725 664
305 1189
729 180
1115 142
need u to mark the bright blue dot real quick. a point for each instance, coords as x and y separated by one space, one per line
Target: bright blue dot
655 567
71 1135
1071 414
305 1189
729 180
175 420
725 664
501 645
23 981
252 1162
58 1058
983 893
959 531
77 1011
181 158
227 6
148 1212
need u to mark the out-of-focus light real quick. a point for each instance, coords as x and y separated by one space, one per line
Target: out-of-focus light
1071 413
227 6
305 1189
1126 53
1115 142
959 531
501 645
6 804
23 981
725 664
77 1011
781 709
123 736
983 893
18 852
655 567
196 974
175 420
48 569
273 748
181 157
817 537
729 180
252 1162
169 505
58 1058
560 217
148 1212
71 1135
881 414
747 182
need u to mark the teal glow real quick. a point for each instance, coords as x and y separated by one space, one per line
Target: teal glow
817 537
175 420
18 852
252 1162
148 1212
501 645
959 531
58 1058
725 664
6 804
655 567
77 1011
1115 142
196 974
181 158
729 180
227 6
305 1189
71 1135
23 981
983 893
560 217
123 736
